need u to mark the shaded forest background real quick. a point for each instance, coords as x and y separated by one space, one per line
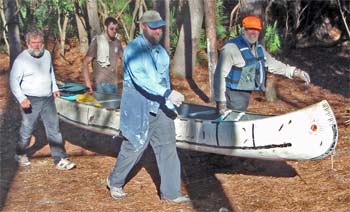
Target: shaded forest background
195 29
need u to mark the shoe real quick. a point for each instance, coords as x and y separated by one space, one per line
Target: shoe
65 164
116 193
180 199
22 160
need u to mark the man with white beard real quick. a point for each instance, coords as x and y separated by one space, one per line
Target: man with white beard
33 83
242 68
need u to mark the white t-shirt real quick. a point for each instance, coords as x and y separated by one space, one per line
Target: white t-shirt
32 76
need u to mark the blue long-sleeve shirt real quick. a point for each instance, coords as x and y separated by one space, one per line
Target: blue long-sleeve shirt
32 76
145 86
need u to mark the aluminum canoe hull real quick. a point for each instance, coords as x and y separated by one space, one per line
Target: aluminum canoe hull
309 133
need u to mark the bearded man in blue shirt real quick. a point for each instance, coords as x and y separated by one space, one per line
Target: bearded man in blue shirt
147 100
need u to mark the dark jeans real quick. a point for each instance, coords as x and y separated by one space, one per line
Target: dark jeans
237 100
45 108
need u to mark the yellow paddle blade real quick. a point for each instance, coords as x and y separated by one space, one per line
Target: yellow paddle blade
88 98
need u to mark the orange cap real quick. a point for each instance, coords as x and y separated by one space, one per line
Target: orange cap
252 22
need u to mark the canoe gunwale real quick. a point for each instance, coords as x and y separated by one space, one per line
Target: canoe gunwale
215 146
91 127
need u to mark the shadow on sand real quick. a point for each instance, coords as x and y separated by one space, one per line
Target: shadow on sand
198 169
9 126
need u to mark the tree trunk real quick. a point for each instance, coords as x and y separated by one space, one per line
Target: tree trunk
3 20
133 27
81 26
104 9
136 14
163 7
61 31
343 17
252 7
11 13
63 34
186 50
94 23
210 29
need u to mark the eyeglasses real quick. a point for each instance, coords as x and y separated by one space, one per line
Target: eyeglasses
161 27
113 28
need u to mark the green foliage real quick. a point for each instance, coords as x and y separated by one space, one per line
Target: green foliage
272 39
44 14
236 31
174 32
202 40
221 19
115 8
23 10
126 18
67 7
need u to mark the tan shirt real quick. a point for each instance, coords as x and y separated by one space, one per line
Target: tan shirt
231 56
107 74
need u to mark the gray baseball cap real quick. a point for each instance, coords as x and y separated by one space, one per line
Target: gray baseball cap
152 19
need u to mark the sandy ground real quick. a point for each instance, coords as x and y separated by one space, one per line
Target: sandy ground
213 182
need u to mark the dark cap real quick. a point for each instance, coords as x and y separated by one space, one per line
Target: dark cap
152 19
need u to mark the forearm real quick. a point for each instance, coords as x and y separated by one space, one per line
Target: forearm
53 79
226 61
16 89
277 67
219 85
85 70
86 77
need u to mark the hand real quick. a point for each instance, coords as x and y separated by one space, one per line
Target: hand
221 108
89 89
25 103
302 75
56 94
176 98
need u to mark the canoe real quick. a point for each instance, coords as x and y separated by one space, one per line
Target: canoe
309 133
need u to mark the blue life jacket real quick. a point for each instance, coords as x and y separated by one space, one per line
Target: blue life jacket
255 78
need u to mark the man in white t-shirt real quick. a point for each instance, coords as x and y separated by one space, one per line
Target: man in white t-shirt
33 83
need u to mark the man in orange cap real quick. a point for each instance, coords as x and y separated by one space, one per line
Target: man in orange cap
242 68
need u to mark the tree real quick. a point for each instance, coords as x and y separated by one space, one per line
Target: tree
81 27
164 9
186 50
4 27
343 16
64 9
94 23
11 14
210 28
252 7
